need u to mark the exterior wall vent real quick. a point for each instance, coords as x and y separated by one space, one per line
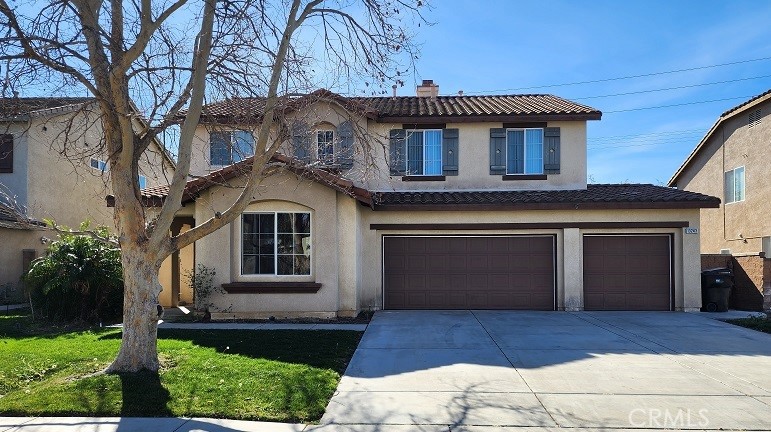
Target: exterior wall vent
755 117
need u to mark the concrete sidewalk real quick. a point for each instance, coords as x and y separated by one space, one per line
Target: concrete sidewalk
261 326
140 424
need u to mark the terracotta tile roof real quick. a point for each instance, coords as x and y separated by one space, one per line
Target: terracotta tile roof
154 196
10 218
738 109
471 106
399 108
595 196
22 107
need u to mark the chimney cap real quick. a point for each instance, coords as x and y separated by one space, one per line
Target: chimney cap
428 82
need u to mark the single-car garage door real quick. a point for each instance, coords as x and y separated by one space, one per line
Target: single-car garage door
493 272
627 272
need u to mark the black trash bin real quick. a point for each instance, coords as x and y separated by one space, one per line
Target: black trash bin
716 287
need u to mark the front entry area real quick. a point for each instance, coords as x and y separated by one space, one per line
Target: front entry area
469 272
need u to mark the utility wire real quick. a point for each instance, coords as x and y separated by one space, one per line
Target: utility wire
670 88
632 136
677 105
626 77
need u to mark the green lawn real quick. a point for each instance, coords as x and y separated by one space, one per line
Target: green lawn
759 324
277 375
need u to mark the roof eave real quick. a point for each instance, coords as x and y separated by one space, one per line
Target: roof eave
551 206
509 118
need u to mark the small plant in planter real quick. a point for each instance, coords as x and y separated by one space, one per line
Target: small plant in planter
202 282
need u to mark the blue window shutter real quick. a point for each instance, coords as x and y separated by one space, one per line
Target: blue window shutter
397 147
450 139
497 151
345 138
301 141
551 150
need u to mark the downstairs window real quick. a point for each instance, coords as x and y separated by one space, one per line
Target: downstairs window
276 244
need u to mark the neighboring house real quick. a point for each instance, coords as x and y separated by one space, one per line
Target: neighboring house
732 162
433 202
21 240
51 165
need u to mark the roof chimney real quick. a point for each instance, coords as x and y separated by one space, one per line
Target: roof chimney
394 89
427 89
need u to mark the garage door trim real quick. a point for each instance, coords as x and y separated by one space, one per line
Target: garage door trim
670 240
382 256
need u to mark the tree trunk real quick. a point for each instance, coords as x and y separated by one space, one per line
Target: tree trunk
141 311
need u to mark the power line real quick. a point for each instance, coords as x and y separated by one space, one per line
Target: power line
670 88
625 77
646 144
677 105
631 136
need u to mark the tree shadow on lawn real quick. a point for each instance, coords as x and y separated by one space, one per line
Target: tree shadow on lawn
331 349
143 395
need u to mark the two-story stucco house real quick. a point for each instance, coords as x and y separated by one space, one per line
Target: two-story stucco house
731 162
51 164
434 202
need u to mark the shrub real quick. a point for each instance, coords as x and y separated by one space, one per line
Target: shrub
79 278
202 282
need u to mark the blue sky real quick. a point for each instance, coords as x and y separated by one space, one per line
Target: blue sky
503 46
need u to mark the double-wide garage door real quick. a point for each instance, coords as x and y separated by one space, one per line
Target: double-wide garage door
489 272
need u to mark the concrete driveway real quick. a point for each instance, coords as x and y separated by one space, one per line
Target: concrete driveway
483 370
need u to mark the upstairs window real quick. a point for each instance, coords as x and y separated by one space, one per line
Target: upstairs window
524 151
142 182
6 153
229 147
325 140
424 152
754 118
98 164
734 185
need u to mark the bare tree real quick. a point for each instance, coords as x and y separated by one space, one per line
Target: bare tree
162 60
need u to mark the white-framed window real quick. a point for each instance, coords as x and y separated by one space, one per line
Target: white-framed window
325 143
142 182
98 164
424 152
734 185
229 147
276 243
524 151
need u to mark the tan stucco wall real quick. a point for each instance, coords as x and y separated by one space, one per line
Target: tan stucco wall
66 188
347 254
734 144
371 154
12 243
474 161
221 250
569 246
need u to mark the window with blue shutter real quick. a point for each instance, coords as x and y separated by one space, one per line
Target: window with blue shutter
229 147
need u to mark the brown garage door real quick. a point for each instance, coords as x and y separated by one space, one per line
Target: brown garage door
468 272
627 272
